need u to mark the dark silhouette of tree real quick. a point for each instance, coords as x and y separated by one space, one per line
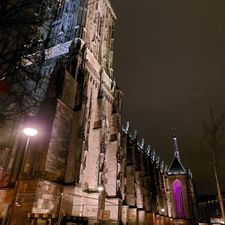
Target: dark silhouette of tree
20 47
213 147
19 21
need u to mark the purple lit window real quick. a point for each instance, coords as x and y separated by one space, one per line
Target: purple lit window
178 199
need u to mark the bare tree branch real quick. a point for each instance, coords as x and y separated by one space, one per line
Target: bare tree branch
20 22
213 145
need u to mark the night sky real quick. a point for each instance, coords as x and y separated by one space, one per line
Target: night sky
169 61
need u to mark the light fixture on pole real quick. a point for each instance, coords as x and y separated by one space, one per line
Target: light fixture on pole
100 196
162 210
100 188
29 132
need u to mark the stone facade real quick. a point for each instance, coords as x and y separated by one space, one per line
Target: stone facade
81 145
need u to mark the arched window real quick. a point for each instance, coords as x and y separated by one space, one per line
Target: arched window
178 199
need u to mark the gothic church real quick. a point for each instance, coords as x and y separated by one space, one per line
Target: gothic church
83 166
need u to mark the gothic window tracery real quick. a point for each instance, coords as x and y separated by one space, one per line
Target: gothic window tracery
178 198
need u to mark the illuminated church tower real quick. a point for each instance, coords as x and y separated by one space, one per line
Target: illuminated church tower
182 200
83 167
71 167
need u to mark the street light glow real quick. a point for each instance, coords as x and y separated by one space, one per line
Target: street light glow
30 132
100 188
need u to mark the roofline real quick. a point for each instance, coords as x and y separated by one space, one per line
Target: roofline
185 171
108 2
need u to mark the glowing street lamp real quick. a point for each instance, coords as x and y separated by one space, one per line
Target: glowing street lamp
100 199
100 188
29 132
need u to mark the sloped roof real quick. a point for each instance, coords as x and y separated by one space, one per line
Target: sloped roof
176 167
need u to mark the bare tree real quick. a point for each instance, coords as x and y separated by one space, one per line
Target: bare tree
19 20
20 37
213 145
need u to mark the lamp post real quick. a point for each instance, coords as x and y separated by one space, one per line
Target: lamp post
100 190
29 132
